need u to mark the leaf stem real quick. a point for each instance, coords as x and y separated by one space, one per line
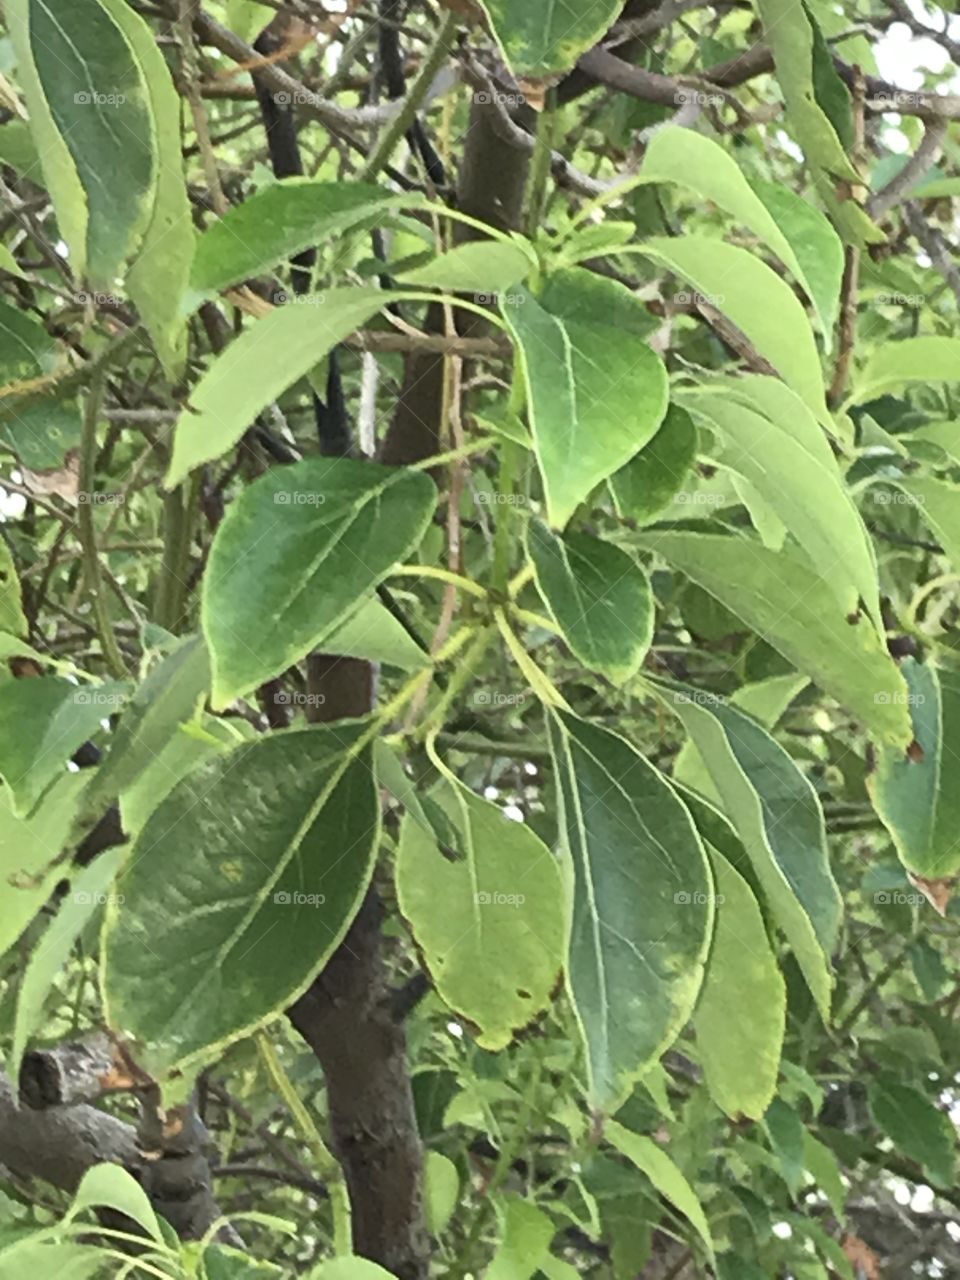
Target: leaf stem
87 530
442 575
328 1164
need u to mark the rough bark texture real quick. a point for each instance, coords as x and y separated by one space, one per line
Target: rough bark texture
348 1015
59 1145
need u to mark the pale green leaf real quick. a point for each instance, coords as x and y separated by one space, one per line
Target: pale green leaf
487 915
527 1233
295 555
542 37
108 1186
483 267
260 365
87 893
913 794
754 297
441 1190
42 723
894 364
596 392
12 619
373 633
739 1018
782 599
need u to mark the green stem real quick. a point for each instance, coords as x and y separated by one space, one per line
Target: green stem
88 533
326 1161
179 516
442 575
540 166
402 122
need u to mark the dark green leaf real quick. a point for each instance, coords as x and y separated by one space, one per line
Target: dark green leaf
918 1129
647 485
540 37
264 897
296 554
599 596
642 903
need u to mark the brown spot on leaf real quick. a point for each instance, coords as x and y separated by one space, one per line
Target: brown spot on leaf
936 892
915 752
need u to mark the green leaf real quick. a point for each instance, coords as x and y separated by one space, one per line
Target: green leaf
777 815
649 483
790 34
596 392
9 263
918 1129
90 114
247 17
42 723
527 1233
806 490
260 365
487 915
482 267
277 223
49 956
817 247
938 503
542 37
599 596
266 897
642 904
695 161
40 433
12 619
188 747
758 302
29 850
33 1257
17 149
893 364
664 1174
739 1018
108 1186
787 1136
373 633
782 599
170 695
297 552
441 1190
157 280
918 805
821 1164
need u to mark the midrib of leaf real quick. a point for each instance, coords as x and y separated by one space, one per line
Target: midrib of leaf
471 859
